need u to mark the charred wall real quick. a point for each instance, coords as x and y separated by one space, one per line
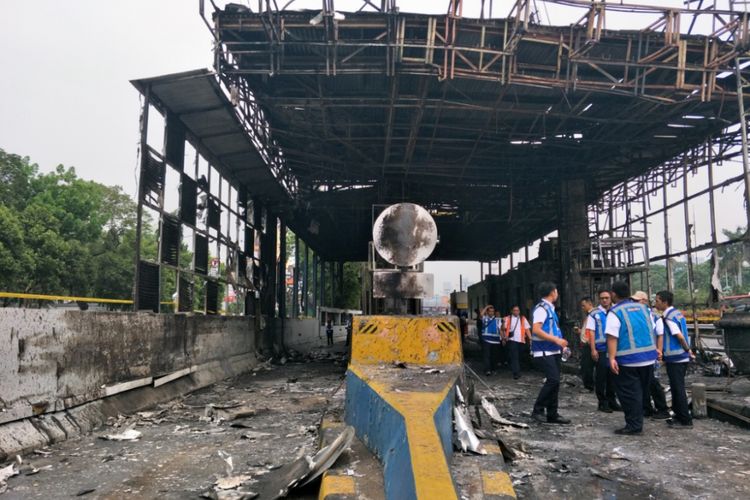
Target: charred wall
55 359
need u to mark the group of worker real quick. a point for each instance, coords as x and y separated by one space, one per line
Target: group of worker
624 343
503 338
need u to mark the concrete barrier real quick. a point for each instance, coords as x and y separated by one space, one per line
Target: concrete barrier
55 360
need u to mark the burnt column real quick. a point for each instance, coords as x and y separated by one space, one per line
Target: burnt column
574 240
268 244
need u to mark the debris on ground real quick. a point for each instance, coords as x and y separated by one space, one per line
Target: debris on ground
494 415
465 434
305 469
5 474
127 435
232 482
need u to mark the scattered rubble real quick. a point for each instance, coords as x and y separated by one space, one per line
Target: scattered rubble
465 434
304 469
127 435
495 415
5 474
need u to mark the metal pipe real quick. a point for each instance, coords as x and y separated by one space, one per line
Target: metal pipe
689 244
666 237
741 84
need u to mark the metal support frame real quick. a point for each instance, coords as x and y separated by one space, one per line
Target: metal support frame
143 146
295 281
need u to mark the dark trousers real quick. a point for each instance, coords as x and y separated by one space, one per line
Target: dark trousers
489 353
587 367
329 337
548 395
514 349
502 353
676 373
605 381
657 394
631 384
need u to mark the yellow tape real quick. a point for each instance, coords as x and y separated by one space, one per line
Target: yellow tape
37 296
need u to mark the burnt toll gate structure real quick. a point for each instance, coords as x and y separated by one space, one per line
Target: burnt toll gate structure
552 151
506 129
512 133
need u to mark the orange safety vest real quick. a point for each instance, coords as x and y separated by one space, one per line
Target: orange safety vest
508 333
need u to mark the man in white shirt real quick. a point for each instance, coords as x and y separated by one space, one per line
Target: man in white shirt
659 409
631 350
547 343
676 354
516 330
596 325
587 363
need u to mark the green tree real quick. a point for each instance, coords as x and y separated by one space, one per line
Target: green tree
731 261
60 234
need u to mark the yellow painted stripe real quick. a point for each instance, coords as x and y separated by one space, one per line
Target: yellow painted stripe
336 485
492 449
432 477
497 483
327 423
37 296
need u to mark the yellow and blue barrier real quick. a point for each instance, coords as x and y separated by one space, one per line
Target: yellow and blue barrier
405 415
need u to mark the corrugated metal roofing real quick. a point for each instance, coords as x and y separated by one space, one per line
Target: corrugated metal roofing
197 99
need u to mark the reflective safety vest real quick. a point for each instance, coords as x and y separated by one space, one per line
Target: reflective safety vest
550 326
673 350
511 322
490 330
635 343
600 320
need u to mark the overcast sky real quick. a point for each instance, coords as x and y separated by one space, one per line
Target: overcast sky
65 95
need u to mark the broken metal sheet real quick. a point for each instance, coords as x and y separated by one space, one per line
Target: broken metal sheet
460 396
232 482
305 469
127 435
5 473
491 410
465 432
228 412
228 461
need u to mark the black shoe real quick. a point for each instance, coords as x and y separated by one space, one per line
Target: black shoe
673 422
627 431
615 406
539 417
660 415
558 420
487 373
604 407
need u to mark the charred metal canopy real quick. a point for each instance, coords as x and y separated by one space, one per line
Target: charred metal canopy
480 121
